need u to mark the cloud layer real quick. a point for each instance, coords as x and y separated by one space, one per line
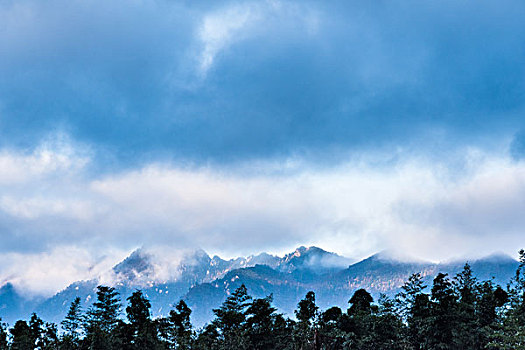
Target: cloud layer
238 80
241 126
61 214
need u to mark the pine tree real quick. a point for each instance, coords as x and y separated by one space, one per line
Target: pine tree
419 321
406 298
260 323
49 337
181 330
22 336
444 314
388 330
3 335
208 339
468 334
306 314
230 319
143 328
511 333
106 310
72 325
102 318
36 326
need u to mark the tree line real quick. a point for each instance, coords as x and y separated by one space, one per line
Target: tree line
457 312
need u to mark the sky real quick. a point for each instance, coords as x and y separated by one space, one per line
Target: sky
247 126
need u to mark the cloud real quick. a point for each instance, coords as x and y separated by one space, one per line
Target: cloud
46 273
410 203
241 126
233 23
236 81
218 31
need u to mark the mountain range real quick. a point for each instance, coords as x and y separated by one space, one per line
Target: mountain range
204 281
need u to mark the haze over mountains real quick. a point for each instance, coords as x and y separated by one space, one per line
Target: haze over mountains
204 281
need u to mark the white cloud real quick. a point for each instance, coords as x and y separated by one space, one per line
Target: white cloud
231 24
47 272
413 205
51 157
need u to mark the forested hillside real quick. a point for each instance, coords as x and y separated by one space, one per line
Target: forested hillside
457 312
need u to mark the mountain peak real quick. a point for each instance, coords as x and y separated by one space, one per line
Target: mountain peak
313 258
137 263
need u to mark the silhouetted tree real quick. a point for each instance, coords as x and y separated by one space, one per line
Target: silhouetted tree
102 318
208 339
467 334
444 314
260 323
406 298
72 326
3 335
230 319
22 336
181 331
306 314
144 330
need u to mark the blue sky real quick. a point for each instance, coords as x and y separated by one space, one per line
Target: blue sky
356 126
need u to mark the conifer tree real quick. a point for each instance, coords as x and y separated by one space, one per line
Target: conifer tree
36 326
102 318
306 314
260 323
511 333
230 319
49 337
468 335
3 335
144 330
406 298
72 325
181 330
444 314
22 336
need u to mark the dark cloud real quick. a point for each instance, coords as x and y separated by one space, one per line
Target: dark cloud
292 78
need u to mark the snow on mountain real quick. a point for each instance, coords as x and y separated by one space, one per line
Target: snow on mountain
204 282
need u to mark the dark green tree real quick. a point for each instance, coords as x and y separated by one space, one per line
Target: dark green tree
260 323
208 339
49 337
180 329
72 326
468 334
306 314
3 336
36 326
419 321
444 314
388 331
361 319
143 328
22 336
330 335
360 303
122 337
511 332
230 319
102 318
406 298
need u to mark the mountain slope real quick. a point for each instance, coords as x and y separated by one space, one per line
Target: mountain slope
205 282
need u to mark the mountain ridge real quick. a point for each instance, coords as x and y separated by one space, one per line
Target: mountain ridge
204 281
